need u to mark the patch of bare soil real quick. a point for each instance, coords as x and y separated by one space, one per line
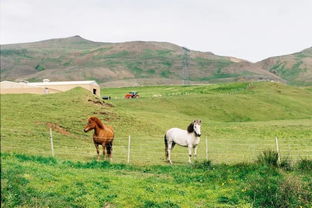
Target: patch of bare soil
57 128
106 116
97 101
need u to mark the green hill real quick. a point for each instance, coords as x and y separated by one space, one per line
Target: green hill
253 113
295 68
240 120
122 64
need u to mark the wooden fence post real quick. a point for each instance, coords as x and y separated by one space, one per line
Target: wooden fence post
277 150
206 148
129 143
51 141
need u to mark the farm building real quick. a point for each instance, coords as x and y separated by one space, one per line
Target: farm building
47 87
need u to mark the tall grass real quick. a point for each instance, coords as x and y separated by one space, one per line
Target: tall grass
305 164
31 181
279 191
268 157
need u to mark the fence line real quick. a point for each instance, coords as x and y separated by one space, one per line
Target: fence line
150 149
207 148
254 149
51 141
129 147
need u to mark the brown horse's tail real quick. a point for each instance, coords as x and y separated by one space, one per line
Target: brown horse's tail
166 146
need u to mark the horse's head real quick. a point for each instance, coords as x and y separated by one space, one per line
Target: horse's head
195 127
90 125
197 124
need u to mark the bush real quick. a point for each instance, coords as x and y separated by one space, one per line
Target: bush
268 157
294 193
286 164
205 165
165 204
35 158
277 192
39 67
262 191
304 164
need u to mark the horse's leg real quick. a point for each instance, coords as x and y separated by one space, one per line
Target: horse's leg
166 147
170 145
190 153
97 151
195 152
109 147
103 145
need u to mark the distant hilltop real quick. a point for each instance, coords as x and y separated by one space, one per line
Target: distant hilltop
143 63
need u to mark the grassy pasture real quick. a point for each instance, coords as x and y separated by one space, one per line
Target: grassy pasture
33 181
239 120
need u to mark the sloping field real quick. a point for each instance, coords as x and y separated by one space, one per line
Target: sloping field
295 68
239 121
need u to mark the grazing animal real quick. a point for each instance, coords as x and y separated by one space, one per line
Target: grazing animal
187 138
103 135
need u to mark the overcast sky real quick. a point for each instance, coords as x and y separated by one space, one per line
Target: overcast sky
248 29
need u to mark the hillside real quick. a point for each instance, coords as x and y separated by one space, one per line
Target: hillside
122 64
295 68
240 120
231 113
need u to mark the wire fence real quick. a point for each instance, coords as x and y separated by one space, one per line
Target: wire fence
138 149
150 150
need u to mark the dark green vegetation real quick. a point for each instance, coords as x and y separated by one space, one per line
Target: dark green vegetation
239 119
33 181
268 157
39 67
141 63
295 68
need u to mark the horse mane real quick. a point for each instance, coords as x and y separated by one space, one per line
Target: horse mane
190 128
97 121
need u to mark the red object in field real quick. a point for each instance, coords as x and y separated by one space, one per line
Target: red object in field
132 95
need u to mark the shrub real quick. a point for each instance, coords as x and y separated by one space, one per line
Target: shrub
262 191
228 200
294 193
268 157
165 73
277 192
34 158
286 164
304 164
39 67
165 204
205 165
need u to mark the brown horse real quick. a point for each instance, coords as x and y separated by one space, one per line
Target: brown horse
103 135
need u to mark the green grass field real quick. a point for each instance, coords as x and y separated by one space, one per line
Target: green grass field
32 181
240 120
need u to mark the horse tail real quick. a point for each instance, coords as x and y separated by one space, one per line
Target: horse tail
166 145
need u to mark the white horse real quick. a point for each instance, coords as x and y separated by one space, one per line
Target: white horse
187 138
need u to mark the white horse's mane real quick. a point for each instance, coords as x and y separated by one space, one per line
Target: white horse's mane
190 128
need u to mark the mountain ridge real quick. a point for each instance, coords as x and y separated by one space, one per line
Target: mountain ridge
140 63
